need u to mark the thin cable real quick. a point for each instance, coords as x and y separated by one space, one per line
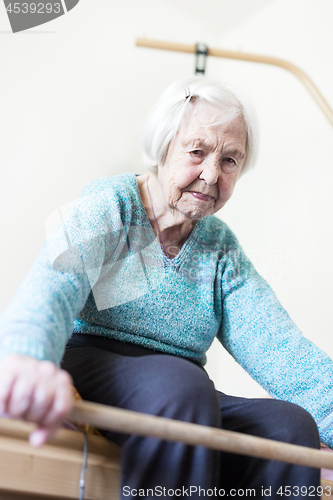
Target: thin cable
158 229
84 468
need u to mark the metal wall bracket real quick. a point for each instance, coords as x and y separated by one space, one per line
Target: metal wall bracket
201 53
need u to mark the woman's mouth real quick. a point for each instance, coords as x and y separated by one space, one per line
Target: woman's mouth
201 196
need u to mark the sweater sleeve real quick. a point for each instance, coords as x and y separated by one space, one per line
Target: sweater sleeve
39 319
263 339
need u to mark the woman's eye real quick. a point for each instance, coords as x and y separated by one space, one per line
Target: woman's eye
197 156
229 165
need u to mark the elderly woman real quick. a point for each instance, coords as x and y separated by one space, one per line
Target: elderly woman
138 281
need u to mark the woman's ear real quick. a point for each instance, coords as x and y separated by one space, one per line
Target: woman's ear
153 163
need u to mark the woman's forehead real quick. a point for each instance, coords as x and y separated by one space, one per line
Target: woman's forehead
203 118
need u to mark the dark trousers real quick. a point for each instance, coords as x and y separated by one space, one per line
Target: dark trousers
128 376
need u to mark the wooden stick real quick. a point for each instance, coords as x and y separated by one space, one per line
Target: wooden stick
131 422
303 77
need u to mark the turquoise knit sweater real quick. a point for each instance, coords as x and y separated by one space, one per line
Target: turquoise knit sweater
103 272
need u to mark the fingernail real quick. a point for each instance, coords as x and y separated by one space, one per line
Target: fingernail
36 438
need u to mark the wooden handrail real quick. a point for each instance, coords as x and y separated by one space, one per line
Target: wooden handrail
243 56
131 422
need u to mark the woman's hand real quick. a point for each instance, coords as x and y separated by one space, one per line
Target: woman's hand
36 391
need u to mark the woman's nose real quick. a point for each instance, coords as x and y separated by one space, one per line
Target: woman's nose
210 172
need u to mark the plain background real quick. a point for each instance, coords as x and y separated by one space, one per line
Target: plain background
74 95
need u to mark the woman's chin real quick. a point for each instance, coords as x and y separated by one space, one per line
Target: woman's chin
194 212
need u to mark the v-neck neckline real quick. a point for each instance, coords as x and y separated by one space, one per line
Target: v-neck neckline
188 244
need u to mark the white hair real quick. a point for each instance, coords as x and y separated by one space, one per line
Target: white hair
164 119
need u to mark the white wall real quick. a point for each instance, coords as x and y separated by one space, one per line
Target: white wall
74 93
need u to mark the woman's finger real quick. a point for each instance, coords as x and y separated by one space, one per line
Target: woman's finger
21 396
8 375
62 401
62 404
43 393
39 436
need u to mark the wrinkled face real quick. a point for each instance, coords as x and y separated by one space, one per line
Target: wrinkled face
203 162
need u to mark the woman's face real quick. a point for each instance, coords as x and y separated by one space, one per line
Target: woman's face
203 162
